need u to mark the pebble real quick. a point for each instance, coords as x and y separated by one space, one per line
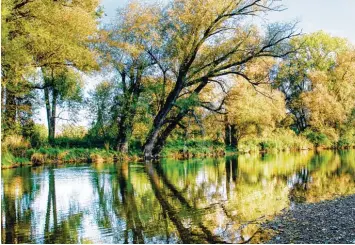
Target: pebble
324 222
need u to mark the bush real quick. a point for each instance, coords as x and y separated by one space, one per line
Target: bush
15 144
317 138
347 139
279 140
193 147
7 159
38 158
39 137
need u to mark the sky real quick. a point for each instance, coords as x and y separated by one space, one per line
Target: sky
336 17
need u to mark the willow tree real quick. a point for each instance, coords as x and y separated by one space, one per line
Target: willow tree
204 42
62 88
100 103
331 101
122 47
45 34
317 53
252 112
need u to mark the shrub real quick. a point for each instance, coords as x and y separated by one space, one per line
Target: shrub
39 137
7 159
279 140
16 144
96 158
29 153
347 139
38 158
317 138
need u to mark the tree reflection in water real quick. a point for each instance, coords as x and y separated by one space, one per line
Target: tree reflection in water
197 201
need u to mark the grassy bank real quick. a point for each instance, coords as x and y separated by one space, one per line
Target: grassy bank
16 151
62 155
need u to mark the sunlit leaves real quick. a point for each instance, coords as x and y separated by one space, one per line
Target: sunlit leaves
253 110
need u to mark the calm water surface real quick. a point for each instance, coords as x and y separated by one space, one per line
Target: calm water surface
203 201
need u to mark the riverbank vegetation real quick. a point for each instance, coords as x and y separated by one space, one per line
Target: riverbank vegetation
181 79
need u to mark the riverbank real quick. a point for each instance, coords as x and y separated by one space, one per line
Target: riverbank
42 156
48 155
320 223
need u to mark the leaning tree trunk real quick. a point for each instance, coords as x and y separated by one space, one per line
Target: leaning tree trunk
166 132
157 138
158 123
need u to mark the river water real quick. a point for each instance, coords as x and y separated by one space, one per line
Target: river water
194 201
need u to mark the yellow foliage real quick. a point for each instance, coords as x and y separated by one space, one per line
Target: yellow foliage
252 108
14 142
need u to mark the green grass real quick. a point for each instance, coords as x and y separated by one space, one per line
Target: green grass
7 159
48 155
192 147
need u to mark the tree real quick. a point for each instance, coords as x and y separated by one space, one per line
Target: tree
44 34
205 42
331 101
101 104
317 82
317 53
122 49
251 111
62 88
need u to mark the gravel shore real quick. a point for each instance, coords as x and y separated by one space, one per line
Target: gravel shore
324 222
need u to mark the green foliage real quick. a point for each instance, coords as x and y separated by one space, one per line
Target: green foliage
347 139
192 147
74 132
317 138
7 159
39 136
15 144
279 140
48 155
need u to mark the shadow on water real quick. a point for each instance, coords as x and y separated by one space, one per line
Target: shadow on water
221 200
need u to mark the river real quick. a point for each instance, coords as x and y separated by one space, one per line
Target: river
193 201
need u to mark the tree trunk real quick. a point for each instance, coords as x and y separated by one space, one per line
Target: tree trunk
154 142
122 141
53 115
3 98
125 125
227 134
10 112
233 132
159 121
166 132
